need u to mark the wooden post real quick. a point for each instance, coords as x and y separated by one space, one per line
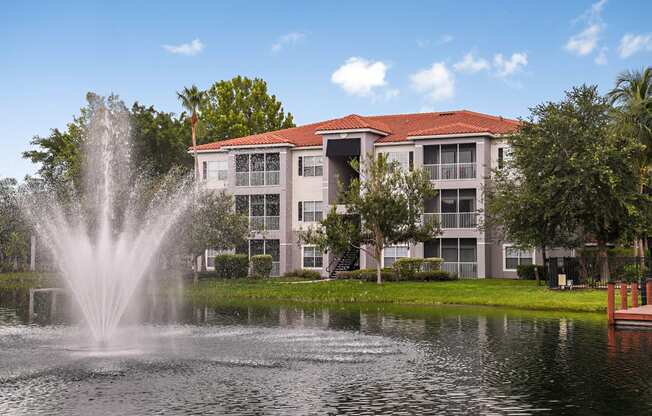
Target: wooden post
611 302
623 295
634 294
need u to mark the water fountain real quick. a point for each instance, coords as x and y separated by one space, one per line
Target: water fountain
105 238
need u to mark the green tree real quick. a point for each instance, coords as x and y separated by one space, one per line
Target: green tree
241 107
14 232
192 99
386 203
213 223
160 140
573 175
632 98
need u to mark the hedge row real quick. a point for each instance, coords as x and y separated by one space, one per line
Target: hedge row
406 268
369 275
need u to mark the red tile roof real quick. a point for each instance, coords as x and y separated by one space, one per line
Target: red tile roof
398 128
354 121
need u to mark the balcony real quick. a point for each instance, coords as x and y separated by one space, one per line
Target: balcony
257 178
463 270
451 171
264 223
453 219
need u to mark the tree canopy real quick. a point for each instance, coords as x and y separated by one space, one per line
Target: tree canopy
571 177
240 107
386 204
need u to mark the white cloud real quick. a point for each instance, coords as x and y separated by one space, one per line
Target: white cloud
586 41
192 48
505 67
601 58
358 76
631 44
437 82
470 65
289 39
443 39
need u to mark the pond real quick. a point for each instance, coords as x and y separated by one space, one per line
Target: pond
258 358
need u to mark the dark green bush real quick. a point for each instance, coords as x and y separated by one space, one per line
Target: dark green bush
368 275
406 267
304 274
433 276
232 266
261 266
526 272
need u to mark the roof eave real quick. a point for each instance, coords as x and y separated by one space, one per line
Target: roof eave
362 130
451 136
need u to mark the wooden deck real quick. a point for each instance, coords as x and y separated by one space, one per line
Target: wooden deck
629 314
640 316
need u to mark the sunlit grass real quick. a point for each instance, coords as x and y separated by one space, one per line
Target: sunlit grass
488 292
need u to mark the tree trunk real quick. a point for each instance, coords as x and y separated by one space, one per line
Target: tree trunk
195 271
604 261
194 151
544 256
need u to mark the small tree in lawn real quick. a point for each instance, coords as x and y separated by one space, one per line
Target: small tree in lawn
213 223
386 204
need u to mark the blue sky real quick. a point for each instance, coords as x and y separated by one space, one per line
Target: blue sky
322 59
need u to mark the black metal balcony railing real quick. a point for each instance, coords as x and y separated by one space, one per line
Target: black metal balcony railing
451 171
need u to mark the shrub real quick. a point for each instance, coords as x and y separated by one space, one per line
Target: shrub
261 266
232 266
631 273
304 274
526 272
406 267
432 263
434 276
368 275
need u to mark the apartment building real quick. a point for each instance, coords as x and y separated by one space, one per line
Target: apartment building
285 181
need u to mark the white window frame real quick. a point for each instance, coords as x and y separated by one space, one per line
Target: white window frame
406 246
505 247
314 211
313 162
303 255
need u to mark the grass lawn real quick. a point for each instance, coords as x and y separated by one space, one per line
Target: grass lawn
27 280
522 294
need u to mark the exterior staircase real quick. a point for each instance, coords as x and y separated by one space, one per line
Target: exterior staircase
348 261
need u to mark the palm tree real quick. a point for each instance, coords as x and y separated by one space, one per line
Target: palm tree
191 99
632 98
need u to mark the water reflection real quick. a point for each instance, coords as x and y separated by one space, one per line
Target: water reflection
258 358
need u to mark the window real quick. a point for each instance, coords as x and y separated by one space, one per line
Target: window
270 247
404 159
501 157
215 170
263 210
312 258
311 165
312 211
393 253
257 169
515 257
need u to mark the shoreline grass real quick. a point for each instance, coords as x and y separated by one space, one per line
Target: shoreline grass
516 294
512 294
